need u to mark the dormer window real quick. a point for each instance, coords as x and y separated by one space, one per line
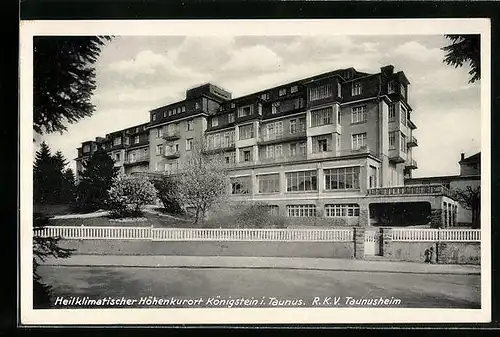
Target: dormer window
197 105
265 96
230 118
183 109
282 92
153 117
391 87
356 88
294 89
215 122
233 105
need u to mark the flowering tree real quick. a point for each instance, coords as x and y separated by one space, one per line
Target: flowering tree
204 181
129 194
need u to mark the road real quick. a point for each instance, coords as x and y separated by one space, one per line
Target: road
260 286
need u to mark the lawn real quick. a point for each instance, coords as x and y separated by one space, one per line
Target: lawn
152 220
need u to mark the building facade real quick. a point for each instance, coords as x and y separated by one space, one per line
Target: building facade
329 149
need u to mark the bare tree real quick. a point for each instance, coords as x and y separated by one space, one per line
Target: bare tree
203 180
470 199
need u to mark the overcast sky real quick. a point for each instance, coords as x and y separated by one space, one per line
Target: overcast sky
137 74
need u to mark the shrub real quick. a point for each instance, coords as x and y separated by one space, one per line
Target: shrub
168 192
129 194
246 215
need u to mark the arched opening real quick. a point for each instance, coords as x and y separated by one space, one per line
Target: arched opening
400 214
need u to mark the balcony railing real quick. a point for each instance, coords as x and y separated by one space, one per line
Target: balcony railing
273 138
427 189
171 135
223 148
412 142
136 160
172 154
411 125
411 164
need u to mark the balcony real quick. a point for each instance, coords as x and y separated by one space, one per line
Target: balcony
412 142
172 154
172 135
131 161
279 138
411 125
411 164
429 189
223 148
396 156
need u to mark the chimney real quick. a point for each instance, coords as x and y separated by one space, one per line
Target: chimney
462 156
387 70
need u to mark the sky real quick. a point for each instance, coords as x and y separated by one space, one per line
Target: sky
136 74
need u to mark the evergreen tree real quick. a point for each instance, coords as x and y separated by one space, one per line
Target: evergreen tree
42 175
96 179
58 167
69 186
64 79
465 49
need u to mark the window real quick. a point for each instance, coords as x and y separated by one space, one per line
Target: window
392 111
241 185
392 140
136 130
126 140
265 96
298 149
282 92
247 155
320 92
269 183
233 105
117 157
159 149
341 210
339 89
391 87
136 140
293 125
197 105
294 89
301 181
153 117
275 108
176 147
228 139
302 124
403 143
274 210
246 132
157 166
131 157
338 117
189 144
215 121
244 111
321 117
342 178
338 142
117 141
183 108
230 158
274 151
356 88
230 118
170 112
301 210
159 132
86 148
403 91
403 115
358 141
321 144
189 125
164 113
358 114
273 130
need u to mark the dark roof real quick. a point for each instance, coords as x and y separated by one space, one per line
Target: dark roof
475 158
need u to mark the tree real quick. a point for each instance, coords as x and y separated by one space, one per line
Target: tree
57 171
96 179
44 247
129 194
69 186
470 199
465 49
204 181
63 79
168 192
42 174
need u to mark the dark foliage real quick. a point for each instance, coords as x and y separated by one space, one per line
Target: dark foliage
470 198
63 80
96 179
465 49
168 192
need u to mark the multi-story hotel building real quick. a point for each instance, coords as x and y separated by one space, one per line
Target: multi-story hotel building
332 148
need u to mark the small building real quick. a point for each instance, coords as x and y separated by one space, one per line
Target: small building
470 176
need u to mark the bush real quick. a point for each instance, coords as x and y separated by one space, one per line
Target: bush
168 192
129 194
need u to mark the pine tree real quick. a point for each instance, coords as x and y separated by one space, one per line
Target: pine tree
42 172
69 186
58 167
465 49
96 179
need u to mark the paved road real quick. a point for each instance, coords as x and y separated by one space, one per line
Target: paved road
300 287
